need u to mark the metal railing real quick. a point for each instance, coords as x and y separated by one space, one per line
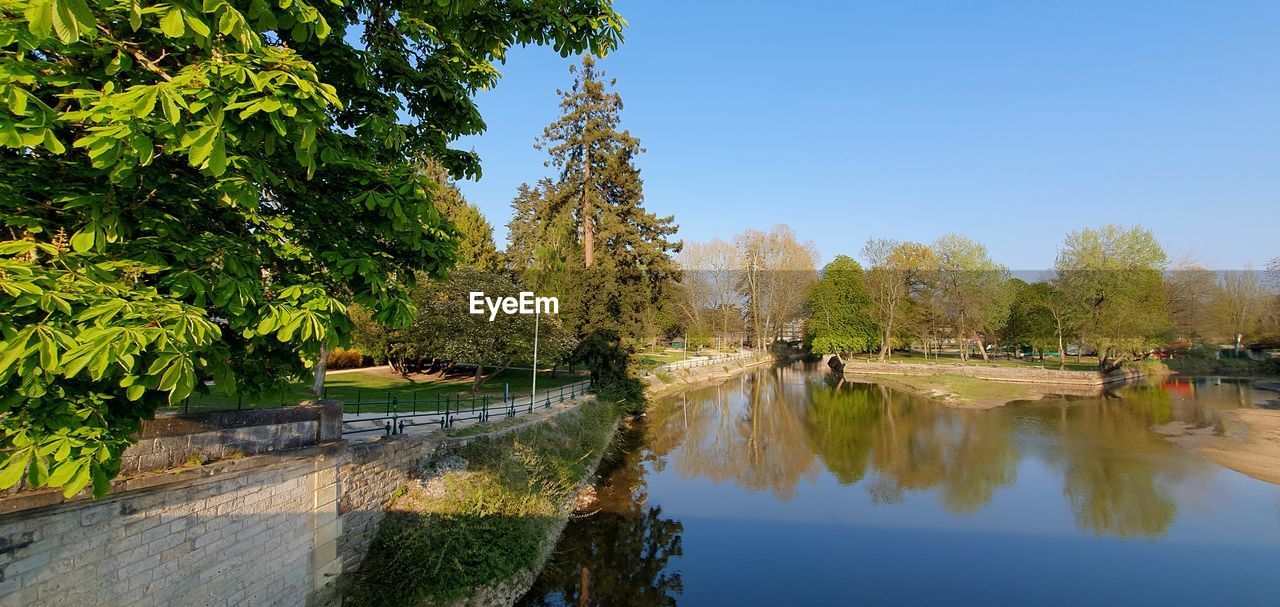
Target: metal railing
398 413
703 362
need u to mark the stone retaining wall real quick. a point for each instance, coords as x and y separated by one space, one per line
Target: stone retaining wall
258 531
369 479
280 509
994 373
237 508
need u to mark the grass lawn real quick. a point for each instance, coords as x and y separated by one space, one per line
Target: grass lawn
648 360
960 388
1087 363
380 385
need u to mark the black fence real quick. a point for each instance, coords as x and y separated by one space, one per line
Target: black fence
393 415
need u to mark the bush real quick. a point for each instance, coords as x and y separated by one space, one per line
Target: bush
603 353
342 358
1207 365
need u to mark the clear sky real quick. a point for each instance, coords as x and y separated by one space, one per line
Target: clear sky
1012 122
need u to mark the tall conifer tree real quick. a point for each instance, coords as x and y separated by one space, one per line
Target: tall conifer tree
619 265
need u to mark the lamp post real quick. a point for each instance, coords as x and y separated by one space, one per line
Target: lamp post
533 394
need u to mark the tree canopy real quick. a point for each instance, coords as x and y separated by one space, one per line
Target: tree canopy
228 174
838 321
476 248
972 289
1112 280
593 244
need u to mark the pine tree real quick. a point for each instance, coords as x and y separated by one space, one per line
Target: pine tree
616 262
476 248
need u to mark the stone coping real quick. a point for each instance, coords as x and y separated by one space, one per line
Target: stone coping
28 500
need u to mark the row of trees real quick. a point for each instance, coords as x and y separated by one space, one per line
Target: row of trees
1111 292
746 292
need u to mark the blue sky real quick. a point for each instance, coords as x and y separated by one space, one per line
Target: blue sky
1010 122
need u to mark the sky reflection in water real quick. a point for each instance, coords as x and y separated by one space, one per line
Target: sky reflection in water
789 486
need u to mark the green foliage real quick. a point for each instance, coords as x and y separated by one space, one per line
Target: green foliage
1111 279
586 237
838 320
475 247
1031 322
445 329
491 521
605 355
194 190
972 289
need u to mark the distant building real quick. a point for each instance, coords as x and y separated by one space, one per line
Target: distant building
792 330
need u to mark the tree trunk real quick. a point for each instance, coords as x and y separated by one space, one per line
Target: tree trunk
588 219
982 348
1062 349
480 376
322 364
886 351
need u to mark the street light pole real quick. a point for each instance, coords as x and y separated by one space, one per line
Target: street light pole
533 394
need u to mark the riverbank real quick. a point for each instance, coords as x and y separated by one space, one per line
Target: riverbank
976 386
476 527
662 384
1249 441
971 393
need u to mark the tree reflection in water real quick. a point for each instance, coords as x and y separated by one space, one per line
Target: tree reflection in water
1115 469
911 444
768 430
619 554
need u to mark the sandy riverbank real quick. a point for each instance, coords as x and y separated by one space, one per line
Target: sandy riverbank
1249 442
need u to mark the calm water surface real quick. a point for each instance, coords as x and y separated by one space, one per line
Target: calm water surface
787 486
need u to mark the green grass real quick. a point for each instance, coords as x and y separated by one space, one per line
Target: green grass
380 385
961 387
484 524
649 360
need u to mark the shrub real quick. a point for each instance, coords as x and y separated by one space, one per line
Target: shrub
1206 365
342 358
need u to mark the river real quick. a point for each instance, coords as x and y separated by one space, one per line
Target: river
788 486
